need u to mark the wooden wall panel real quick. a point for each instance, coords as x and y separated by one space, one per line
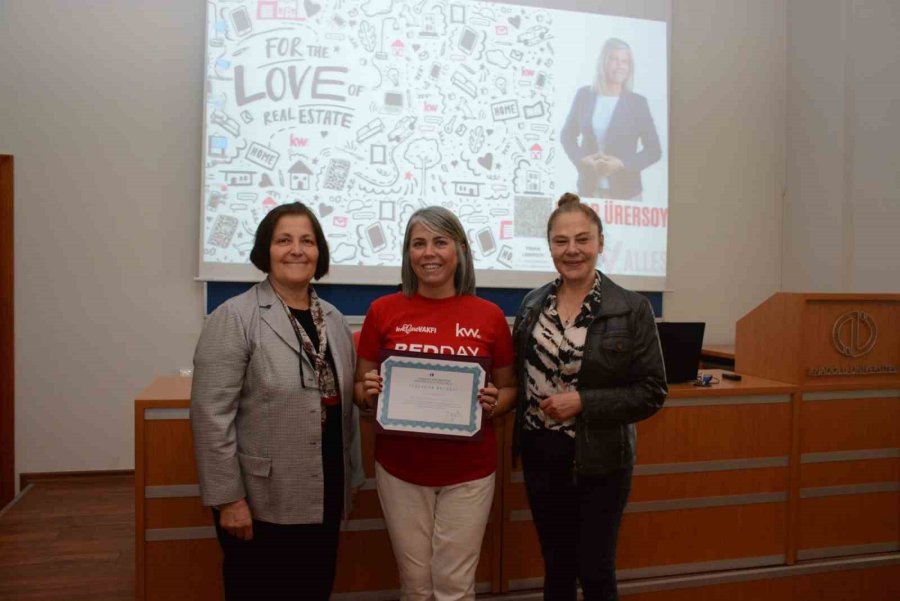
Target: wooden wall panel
768 340
880 584
485 570
836 586
851 584
849 520
680 434
684 486
708 484
841 425
180 512
171 460
360 552
365 563
184 570
7 335
769 590
836 473
366 505
681 536
515 497
874 584
367 442
676 435
523 559
820 351
695 535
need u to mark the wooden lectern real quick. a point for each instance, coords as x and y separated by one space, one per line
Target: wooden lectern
821 339
843 351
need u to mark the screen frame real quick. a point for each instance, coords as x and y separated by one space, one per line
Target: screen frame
655 10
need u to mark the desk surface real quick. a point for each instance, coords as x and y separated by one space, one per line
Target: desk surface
722 351
165 390
748 385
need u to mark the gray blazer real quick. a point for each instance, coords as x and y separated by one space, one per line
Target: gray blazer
257 428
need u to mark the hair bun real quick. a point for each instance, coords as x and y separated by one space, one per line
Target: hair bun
568 198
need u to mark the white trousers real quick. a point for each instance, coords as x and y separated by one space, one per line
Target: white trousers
436 533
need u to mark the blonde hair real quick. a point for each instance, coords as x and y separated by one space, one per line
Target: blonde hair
611 45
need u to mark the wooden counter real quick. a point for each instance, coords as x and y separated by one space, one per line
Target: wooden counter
177 555
716 487
710 490
745 485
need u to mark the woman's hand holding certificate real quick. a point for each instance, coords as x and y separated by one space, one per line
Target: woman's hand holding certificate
372 385
430 395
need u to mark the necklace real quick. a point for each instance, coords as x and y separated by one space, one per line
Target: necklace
567 314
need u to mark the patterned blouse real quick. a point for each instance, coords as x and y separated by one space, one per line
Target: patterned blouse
553 358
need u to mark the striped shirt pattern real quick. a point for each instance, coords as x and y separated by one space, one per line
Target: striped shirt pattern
553 358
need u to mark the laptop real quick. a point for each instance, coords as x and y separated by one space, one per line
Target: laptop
681 344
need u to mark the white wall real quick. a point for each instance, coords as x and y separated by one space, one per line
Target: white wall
843 203
728 160
102 106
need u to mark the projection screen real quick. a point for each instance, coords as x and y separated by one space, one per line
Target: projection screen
368 110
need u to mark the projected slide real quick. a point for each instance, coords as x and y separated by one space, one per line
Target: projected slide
367 110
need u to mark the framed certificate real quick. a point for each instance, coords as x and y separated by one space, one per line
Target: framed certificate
431 395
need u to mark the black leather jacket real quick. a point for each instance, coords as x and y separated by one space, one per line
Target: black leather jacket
622 379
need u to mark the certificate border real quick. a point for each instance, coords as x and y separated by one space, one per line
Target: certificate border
385 422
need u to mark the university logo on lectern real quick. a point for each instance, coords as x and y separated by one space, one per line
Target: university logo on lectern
854 334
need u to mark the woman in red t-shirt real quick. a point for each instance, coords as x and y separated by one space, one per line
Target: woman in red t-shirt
436 493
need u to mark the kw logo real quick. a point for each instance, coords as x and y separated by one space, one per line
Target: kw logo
467 332
295 141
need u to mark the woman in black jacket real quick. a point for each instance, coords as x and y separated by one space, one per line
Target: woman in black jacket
589 359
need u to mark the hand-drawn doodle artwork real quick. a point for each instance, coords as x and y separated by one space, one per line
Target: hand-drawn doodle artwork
300 176
372 8
222 231
343 253
423 153
336 176
367 36
476 140
369 109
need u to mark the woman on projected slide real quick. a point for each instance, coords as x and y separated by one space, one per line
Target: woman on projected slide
605 124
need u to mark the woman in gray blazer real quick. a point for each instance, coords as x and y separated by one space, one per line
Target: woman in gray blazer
275 429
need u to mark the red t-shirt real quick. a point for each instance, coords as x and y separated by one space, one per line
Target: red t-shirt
459 325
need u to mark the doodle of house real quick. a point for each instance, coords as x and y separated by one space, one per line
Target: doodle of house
398 47
299 176
239 178
468 189
279 9
269 203
429 26
533 181
536 151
